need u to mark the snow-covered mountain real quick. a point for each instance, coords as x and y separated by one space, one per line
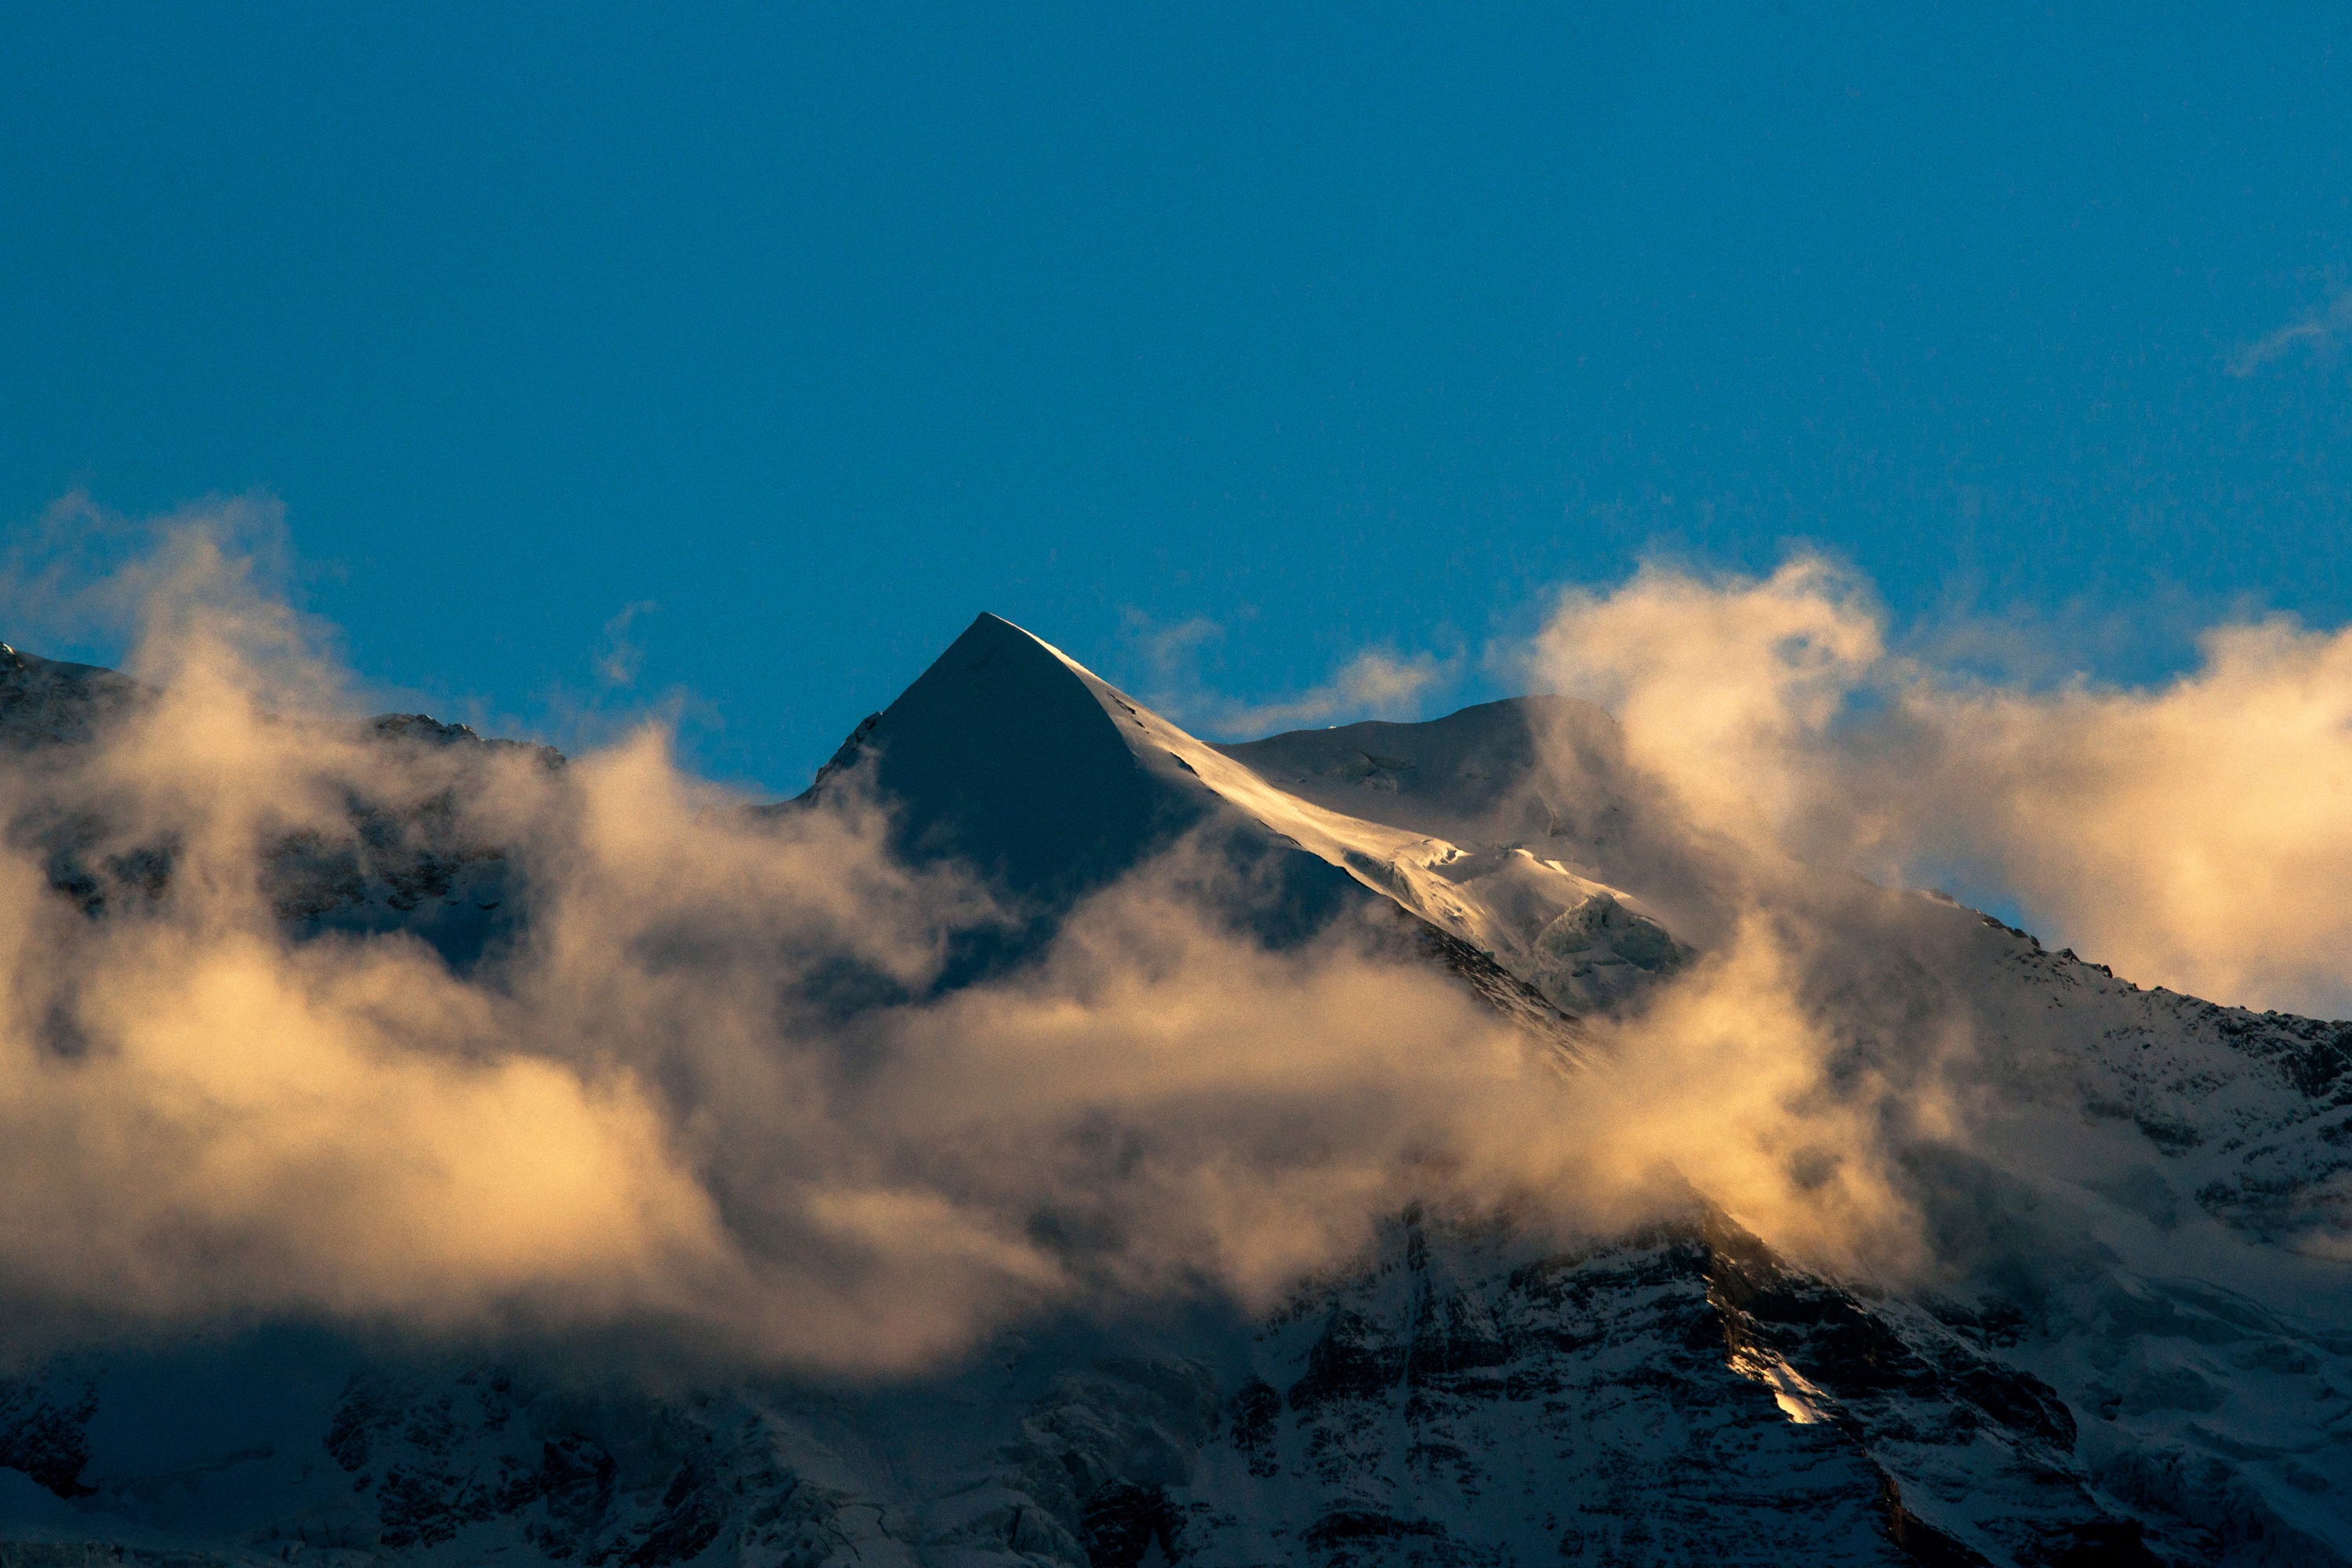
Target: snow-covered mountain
1009 753
2135 1346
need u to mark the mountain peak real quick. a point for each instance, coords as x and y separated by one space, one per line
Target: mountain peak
1001 755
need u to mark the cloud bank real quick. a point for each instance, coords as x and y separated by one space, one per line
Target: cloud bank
707 1084
2193 835
710 1087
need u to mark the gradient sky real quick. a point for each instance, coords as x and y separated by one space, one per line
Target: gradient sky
817 330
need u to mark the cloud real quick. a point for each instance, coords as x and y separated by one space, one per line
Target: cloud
1189 1105
2318 333
621 656
2194 834
1375 683
1717 685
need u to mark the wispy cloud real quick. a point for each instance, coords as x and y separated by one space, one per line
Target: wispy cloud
622 655
1376 683
2314 334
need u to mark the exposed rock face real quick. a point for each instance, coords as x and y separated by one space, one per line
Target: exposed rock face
627 1480
45 1431
46 702
400 861
1675 1395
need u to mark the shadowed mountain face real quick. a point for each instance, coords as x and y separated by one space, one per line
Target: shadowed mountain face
1007 757
2128 1354
404 866
1478 773
48 701
999 756
960 760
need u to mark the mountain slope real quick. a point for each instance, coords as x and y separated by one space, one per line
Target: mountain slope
1010 756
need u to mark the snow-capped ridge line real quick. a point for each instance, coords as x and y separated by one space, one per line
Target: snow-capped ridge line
1499 900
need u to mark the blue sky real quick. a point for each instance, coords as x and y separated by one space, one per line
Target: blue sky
814 330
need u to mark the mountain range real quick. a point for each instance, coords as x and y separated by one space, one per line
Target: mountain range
2128 1338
